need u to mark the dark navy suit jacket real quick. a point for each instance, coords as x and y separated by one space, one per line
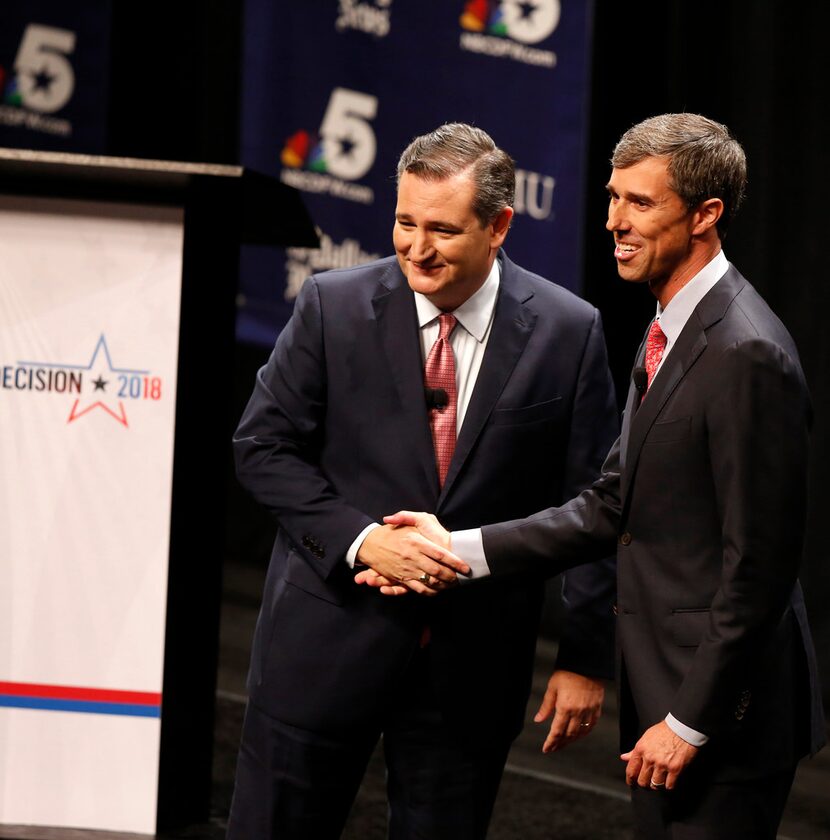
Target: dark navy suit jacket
336 435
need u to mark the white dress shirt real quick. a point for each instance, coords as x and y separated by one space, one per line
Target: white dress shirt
468 544
468 340
679 309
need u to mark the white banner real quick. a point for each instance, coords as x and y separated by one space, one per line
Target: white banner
89 327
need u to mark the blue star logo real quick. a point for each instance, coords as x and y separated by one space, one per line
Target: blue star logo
100 362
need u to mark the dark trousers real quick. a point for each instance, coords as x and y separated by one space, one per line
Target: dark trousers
747 810
297 785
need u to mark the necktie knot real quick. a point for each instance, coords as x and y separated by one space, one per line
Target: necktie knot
446 324
655 345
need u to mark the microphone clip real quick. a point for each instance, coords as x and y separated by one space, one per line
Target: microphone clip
436 398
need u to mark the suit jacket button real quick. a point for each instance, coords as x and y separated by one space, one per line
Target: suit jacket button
625 538
615 610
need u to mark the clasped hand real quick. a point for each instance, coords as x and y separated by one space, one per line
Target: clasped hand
410 553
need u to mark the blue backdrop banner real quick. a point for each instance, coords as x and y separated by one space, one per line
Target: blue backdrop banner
54 60
334 90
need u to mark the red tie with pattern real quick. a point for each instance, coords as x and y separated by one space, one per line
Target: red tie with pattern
655 345
439 374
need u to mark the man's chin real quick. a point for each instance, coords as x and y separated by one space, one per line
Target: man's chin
424 284
629 274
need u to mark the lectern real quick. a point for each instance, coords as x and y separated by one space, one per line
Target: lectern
117 299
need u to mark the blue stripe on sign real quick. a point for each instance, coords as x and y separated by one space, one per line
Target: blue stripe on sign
55 705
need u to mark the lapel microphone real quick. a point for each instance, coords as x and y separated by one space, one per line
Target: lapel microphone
436 398
640 379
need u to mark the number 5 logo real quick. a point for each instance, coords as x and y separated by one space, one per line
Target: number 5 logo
533 26
349 144
45 78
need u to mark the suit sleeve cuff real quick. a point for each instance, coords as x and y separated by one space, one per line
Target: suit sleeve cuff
351 554
689 735
468 546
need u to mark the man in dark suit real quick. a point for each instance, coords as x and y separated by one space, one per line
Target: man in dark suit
354 415
704 497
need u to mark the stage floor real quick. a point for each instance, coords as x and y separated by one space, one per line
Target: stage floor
578 794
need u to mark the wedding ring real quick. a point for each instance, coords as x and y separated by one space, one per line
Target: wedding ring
424 578
657 784
584 725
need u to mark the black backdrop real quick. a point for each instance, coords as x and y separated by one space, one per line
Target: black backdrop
760 67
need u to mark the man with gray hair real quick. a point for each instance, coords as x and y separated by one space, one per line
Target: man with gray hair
444 378
703 496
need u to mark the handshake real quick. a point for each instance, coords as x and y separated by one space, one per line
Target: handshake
409 553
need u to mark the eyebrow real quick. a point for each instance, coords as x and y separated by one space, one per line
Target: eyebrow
434 223
633 196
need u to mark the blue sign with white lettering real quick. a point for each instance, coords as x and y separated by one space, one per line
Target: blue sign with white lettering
54 59
334 90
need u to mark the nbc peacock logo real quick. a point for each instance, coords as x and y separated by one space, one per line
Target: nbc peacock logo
483 16
304 150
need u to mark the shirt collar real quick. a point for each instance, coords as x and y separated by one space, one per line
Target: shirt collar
679 309
474 314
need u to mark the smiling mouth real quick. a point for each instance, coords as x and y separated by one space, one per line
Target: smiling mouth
625 250
426 268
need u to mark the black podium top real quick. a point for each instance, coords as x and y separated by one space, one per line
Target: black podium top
267 211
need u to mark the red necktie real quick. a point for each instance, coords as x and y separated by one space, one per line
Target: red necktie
439 374
655 345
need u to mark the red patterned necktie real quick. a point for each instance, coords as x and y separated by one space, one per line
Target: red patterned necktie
655 345
439 374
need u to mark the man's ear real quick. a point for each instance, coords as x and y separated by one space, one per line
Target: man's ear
707 215
499 227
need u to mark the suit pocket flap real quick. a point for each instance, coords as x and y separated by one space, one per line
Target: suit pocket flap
527 414
670 430
688 627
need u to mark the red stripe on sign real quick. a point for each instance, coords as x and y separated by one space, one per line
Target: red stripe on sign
69 692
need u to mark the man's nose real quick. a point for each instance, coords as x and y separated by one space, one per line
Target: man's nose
616 218
421 246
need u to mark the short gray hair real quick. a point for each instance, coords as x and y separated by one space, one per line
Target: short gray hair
456 148
705 160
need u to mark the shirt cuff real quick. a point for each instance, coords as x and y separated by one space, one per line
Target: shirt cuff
351 554
689 735
468 546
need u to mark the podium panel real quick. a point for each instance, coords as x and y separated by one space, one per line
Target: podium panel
90 296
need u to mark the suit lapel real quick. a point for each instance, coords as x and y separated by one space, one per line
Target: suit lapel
632 406
689 345
397 324
513 324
